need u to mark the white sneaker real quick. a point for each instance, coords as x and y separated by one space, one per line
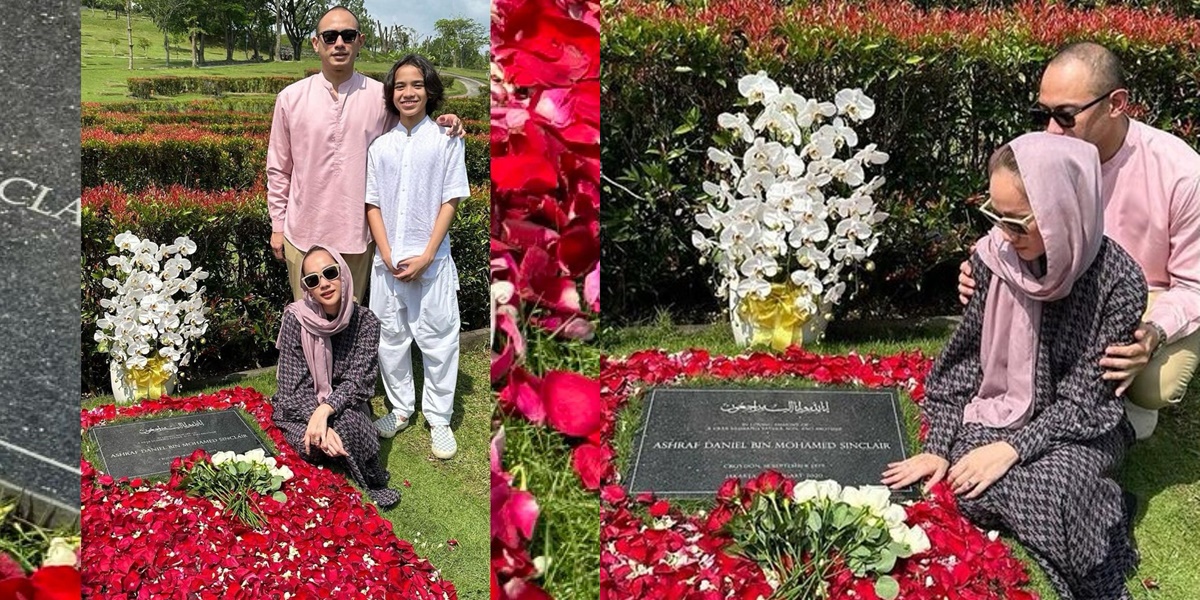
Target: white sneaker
444 444
390 424
1143 420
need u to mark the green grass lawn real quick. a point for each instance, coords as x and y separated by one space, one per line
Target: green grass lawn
446 499
567 532
1164 471
105 66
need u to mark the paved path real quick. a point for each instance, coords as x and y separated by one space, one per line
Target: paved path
39 255
473 86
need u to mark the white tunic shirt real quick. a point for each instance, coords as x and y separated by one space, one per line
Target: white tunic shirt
410 174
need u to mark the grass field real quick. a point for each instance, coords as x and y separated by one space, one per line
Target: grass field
446 499
105 65
1164 472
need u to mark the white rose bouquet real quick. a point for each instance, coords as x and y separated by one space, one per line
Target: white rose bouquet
798 539
228 478
792 212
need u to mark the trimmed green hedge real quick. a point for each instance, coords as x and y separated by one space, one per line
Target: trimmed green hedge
381 76
250 105
247 288
209 163
214 157
948 88
170 85
477 108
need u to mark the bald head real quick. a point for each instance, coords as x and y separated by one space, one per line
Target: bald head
1102 67
337 9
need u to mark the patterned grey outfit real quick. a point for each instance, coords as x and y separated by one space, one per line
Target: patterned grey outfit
1060 499
355 368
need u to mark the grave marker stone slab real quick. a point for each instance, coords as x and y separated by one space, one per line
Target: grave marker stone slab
146 447
39 257
692 440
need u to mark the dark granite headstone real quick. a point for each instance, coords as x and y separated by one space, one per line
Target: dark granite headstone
692 440
146 447
39 255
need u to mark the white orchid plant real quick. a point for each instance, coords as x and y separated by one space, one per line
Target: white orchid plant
793 202
157 307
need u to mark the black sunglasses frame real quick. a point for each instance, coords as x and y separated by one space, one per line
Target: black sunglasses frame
331 36
1065 117
323 274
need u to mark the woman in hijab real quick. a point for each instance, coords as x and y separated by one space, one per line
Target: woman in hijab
1021 424
327 368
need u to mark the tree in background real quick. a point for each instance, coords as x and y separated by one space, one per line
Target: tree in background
366 25
167 16
392 39
458 41
299 19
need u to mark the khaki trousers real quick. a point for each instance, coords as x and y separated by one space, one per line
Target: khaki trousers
360 269
1165 379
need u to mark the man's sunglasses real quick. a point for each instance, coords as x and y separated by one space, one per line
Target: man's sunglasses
312 280
1009 224
1064 115
330 37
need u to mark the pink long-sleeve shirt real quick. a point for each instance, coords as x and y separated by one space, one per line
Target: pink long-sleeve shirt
1152 186
317 160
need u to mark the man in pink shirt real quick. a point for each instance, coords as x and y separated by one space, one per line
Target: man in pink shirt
317 156
1151 186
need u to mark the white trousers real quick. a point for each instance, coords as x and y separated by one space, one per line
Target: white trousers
424 311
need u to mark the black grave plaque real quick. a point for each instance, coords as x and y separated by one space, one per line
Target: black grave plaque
146 447
39 256
692 440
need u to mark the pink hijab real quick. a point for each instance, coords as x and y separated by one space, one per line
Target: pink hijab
1061 176
317 328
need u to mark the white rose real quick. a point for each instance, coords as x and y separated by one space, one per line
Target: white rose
854 497
257 455
894 515
61 553
916 540
222 457
877 498
804 491
828 490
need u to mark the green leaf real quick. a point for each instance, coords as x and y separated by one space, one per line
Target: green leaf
887 562
279 497
814 521
887 588
682 69
912 60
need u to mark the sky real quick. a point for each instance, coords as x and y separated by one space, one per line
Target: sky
421 14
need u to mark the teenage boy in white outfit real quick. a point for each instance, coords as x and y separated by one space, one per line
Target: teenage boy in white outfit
416 175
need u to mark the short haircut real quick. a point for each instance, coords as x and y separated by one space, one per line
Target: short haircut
1104 66
317 25
435 92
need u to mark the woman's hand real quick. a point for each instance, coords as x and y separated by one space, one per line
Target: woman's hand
980 468
333 444
907 472
318 428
